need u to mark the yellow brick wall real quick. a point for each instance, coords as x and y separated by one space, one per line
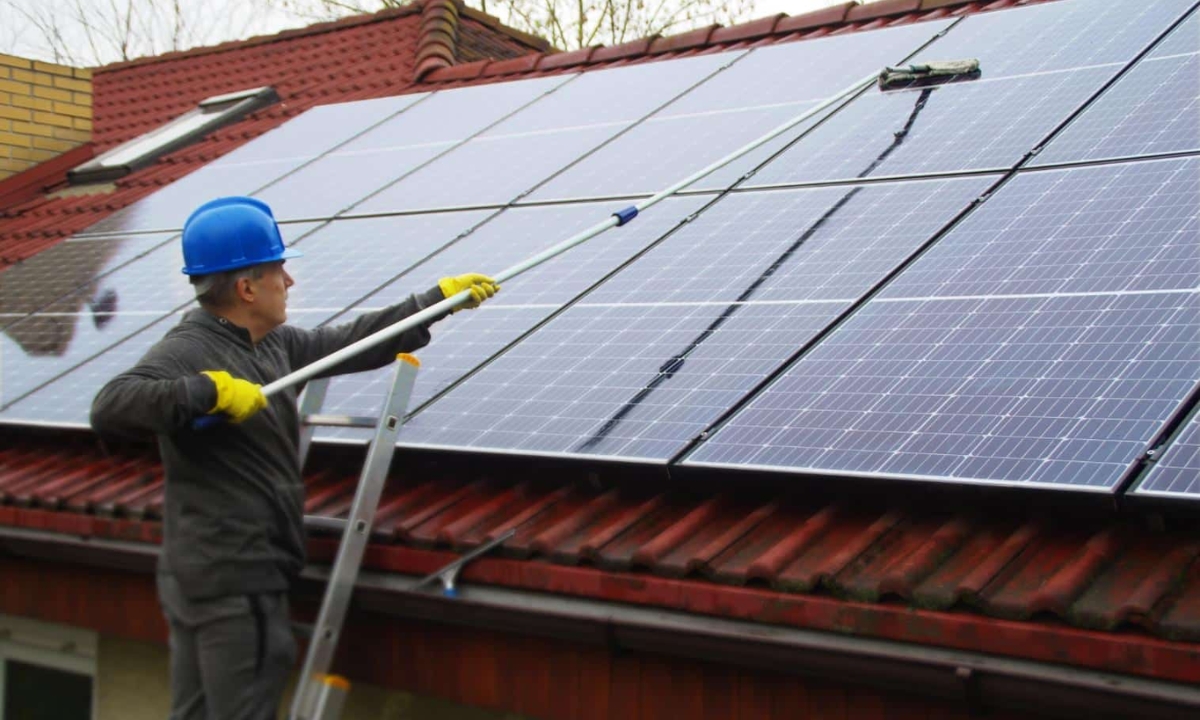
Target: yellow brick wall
45 110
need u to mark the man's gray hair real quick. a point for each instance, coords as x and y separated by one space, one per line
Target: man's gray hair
218 290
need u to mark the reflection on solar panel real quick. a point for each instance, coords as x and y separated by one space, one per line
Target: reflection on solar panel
254 165
645 361
81 324
508 160
1044 342
64 268
378 157
67 400
1039 64
1177 473
759 92
468 339
1153 109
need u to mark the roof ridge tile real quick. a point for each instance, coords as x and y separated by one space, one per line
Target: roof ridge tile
683 41
881 8
748 30
624 51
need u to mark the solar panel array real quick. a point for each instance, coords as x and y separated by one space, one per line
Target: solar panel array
1044 341
990 281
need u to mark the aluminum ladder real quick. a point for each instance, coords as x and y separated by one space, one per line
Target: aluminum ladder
319 695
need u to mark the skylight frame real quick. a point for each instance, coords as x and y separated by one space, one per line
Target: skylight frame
210 114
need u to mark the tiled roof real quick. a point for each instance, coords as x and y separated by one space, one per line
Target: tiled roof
1054 587
1086 590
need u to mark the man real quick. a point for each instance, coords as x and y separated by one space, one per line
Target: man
233 538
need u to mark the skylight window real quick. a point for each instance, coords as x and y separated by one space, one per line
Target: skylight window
209 115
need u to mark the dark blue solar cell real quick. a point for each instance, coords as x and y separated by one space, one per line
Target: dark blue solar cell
643 362
734 107
255 164
1177 472
1153 109
1044 341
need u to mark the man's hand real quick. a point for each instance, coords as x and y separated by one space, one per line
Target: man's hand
482 287
238 399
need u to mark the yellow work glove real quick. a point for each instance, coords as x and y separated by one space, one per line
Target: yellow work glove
482 287
238 399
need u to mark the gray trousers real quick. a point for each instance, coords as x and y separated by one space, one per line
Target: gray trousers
230 656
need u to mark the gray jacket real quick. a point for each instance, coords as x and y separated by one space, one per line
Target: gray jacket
233 518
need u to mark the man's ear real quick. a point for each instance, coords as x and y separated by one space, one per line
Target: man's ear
245 289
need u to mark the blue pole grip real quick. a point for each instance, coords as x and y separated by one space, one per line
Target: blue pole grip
624 216
204 422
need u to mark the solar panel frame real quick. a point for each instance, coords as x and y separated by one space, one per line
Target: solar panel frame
1175 472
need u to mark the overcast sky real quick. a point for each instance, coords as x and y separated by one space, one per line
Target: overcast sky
214 21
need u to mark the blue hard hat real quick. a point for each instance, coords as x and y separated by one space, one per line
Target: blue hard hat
230 233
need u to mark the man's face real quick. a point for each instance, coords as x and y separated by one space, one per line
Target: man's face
272 291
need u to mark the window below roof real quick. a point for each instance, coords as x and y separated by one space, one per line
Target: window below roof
46 671
189 127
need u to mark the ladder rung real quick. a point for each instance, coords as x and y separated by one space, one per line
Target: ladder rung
320 522
304 630
353 421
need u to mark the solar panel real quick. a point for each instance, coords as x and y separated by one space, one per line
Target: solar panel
114 306
361 167
66 401
1048 37
746 100
255 164
468 339
1039 64
35 282
1177 472
1042 342
1153 109
514 156
347 260
643 362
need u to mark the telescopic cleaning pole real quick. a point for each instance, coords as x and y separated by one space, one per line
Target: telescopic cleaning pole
912 74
